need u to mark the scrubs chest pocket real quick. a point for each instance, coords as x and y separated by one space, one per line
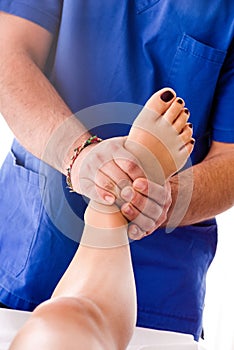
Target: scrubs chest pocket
20 210
195 65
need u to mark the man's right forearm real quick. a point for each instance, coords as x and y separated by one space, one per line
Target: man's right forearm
34 111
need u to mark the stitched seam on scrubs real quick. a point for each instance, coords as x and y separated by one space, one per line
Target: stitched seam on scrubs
38 9
196 54
34 237
53 21
222 135
200 49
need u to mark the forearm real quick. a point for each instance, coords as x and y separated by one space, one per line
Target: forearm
212 191
34 111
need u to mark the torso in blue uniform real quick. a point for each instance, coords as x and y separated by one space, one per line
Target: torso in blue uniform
120 51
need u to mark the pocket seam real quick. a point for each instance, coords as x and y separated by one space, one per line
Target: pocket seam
27 175
187 42
34 180
24 264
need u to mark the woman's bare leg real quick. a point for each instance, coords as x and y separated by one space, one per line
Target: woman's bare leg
94 304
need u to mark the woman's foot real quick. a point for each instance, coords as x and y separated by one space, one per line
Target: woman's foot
160 136
161 139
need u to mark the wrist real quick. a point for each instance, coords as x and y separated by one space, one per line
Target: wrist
88 143
70 150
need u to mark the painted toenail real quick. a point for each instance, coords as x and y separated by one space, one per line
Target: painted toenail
192 141
190 125
180 101
167 96
186 111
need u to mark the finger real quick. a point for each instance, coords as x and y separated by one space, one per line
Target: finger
166 207
106 183
150 189
134 216
135 233
88 188
128 163
116 174
147 206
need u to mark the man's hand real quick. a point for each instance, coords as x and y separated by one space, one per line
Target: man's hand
105 172
146 206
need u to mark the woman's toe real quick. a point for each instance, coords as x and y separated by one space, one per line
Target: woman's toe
181 120
161 100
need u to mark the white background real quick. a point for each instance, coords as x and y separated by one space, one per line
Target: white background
219 310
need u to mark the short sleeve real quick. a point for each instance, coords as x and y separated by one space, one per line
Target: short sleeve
223 111
46 13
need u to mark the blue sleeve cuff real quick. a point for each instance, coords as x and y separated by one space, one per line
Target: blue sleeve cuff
35 12
223 135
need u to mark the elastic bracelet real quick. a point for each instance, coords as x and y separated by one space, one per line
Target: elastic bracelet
91 140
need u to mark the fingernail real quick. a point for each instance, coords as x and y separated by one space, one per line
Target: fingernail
139 185
128 210
190 125
109 199
127 193
133 230
180 101
134 233
167 96
186 111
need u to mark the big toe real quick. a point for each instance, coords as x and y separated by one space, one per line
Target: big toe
161 100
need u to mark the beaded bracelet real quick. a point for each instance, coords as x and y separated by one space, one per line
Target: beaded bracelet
91 140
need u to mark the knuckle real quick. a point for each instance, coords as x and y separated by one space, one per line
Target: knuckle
146 225
151 209
124 182
131 166
128 212
141 202
109 186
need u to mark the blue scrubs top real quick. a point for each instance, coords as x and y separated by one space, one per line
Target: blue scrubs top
119 51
